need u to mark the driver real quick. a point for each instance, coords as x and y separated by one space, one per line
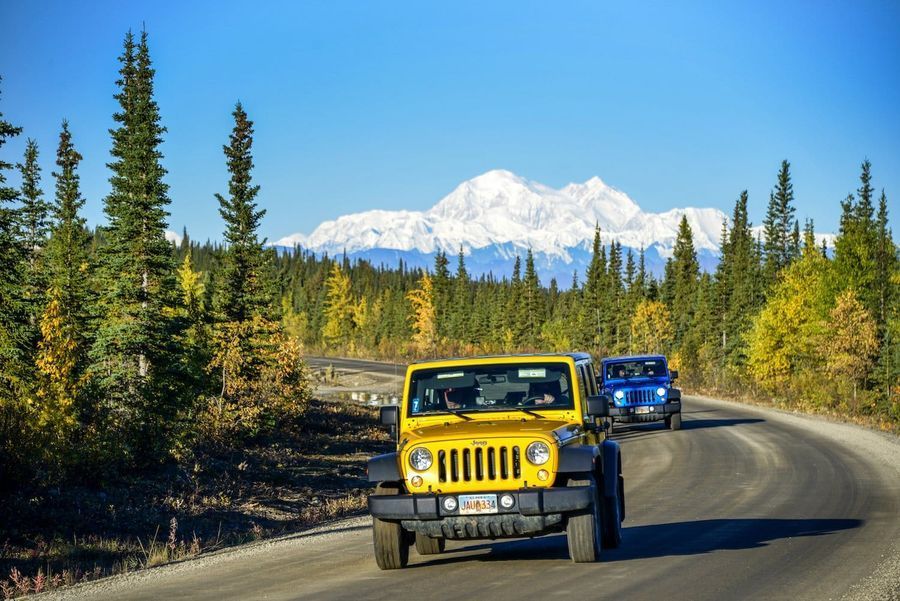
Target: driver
544 393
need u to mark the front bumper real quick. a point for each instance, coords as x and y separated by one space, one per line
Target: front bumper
535 511
651 413
528 502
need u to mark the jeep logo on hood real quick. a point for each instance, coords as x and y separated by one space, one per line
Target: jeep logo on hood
479 443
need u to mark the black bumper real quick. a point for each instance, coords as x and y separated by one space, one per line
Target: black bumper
654 412
528 502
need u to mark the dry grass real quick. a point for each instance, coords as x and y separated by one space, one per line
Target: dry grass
214 499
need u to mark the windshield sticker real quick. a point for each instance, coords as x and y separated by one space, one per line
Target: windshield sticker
456 374
533 373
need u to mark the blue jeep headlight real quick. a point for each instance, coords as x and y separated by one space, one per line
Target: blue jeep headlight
661 391
620 395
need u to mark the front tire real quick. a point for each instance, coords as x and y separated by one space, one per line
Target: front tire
427 545
613 513
583 530
390 540
673 421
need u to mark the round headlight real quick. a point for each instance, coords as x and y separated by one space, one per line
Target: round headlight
420 459
538 453
449 504
620 394
661 391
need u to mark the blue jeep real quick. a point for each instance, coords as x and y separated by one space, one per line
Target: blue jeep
641 389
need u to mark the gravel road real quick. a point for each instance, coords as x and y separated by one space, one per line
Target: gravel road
743 502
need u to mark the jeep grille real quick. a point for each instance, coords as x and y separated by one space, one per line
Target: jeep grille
481 463
646 395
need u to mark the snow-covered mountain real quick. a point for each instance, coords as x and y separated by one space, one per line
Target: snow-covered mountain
498 215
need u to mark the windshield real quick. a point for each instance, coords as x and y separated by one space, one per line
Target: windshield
490 388
642 368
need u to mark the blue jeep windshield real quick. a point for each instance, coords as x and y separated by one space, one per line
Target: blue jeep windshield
490 388
641 368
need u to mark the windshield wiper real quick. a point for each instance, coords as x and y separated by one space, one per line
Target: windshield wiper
460 413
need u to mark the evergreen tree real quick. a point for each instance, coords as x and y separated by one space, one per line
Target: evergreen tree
461 306
34 215
245 287
737 282
593 295
615 322
441 284
531 313
13 317
886 264
134 360
856 246
778 224
62 351
684 272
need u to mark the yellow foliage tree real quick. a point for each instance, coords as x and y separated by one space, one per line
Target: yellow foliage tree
57 363
339 309
423 316
785 336
651 327
852 343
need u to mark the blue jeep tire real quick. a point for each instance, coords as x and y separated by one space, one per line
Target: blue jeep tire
673 421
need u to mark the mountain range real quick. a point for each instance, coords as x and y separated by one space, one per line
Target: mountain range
498 215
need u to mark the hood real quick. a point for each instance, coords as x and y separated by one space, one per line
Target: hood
481 428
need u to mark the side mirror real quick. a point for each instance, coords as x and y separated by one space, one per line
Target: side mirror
673 374
389 415
598 406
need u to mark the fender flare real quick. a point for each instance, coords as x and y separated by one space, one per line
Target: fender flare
580 458
384 468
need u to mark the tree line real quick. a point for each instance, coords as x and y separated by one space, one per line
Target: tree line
121 350
115 353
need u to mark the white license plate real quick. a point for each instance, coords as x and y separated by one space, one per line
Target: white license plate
475 504
642 410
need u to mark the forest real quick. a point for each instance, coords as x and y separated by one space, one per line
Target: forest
121 351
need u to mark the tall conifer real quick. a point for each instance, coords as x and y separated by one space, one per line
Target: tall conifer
13 320
245 287
133 359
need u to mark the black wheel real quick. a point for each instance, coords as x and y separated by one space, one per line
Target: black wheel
583 529
391 542
613 514
427 545
673 421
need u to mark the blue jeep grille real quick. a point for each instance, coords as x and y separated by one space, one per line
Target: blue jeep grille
641 396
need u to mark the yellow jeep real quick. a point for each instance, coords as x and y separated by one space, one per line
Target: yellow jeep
496 447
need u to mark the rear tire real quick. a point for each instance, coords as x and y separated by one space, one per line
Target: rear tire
583 529
673 421
390 540
427 545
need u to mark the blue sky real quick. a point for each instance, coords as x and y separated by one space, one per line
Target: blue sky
390 105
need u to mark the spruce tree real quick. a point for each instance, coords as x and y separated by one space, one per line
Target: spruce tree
441 284
34 216
461 304
244 285
133 358
62 350
684 272
778 225
531 309
886 263
856 246
13 316
736 282
593 293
